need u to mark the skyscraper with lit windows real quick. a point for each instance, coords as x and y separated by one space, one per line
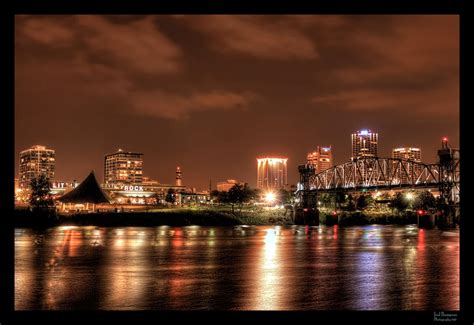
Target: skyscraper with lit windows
35 161
411 154
321 158
272 173
123 168
364 144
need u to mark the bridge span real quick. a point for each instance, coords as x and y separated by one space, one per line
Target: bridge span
376 173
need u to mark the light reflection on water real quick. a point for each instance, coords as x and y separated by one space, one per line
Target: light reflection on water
237 268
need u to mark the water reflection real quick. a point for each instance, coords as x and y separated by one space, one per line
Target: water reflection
267 293
237 268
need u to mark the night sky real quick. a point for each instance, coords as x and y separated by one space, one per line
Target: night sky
212 93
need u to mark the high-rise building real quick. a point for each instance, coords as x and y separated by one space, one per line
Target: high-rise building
123 168
407 153
179 176
321 159
272 173
364 144
36 161
413 154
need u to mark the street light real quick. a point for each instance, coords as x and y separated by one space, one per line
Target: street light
409 196
269 197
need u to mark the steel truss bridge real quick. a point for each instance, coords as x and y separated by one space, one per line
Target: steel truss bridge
383 174
375 173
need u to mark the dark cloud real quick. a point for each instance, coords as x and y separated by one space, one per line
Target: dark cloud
255 36
211 93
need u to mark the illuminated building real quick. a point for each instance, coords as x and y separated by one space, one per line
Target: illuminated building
321 159
36 161
364 144
178 176
413 154
123 168
272 173
193 198
148 191
407 153
227 185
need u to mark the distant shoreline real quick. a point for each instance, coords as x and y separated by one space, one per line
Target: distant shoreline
177 217
200 217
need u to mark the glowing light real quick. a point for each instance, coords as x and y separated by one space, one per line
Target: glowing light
67 227
364 132
270 197
409 196
445 139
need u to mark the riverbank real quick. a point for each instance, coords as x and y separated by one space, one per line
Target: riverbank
359 218
216 216
151 218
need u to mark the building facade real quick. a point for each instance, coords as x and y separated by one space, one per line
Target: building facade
412 154
321 158
407 153
364 144
35 161
123 168
272 173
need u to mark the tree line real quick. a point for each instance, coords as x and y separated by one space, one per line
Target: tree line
400 202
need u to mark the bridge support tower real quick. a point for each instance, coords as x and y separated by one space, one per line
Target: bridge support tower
307 207
448 209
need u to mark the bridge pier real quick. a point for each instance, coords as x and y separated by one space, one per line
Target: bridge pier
307 212
446 218
307 216
427 221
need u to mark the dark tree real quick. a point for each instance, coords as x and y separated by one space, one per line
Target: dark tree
40 199
340 198
171 196
362 202
256 194
214 194
425 200
325 199
239 194
283 196
223 197
399 202
350 203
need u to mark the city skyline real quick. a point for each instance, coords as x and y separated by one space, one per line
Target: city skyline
214 109
408 153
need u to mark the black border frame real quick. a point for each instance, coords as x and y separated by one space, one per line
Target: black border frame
7 134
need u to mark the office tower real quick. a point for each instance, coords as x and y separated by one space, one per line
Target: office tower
123 168
272 173
412 154
321 158
364 144
35 161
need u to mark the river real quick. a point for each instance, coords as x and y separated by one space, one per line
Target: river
378 267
